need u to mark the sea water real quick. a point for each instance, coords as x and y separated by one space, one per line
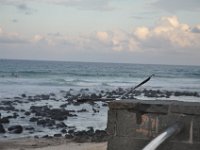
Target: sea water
37 77
43 77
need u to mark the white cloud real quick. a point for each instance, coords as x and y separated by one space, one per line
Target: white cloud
37 38
168 35
102 36
141 32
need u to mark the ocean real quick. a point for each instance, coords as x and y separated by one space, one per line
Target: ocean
37 77
23 85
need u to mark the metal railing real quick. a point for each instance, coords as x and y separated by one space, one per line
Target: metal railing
169 132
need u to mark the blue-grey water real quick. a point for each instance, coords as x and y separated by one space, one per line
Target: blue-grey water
39 77
36 77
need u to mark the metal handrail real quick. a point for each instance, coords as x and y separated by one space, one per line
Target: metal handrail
172 130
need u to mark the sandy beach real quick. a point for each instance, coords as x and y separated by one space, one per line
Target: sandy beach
49 144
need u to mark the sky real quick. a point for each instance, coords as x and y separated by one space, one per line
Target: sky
131 31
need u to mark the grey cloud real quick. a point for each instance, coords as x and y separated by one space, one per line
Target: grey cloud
87 4
20 5
14 20
55 34
196 29
177 5
99 5
12 40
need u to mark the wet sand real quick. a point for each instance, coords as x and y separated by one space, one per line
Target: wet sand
49 144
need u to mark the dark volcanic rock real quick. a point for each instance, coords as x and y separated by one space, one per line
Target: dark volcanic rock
46 122
29 128
23 95
81 136
33 119
63 131
15 129
82 110
61 125
104 104
69 136
27 113
45 136
63 105
56 114
89 136
57 135
2 130
100 136
4 120
45 97
71 131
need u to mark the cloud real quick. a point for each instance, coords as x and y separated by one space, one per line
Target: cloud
21 5
14 20
86 4
196 29
141 32
97 5
11 37
167 36
102 36
177 5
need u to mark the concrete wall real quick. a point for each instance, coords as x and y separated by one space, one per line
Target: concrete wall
132 124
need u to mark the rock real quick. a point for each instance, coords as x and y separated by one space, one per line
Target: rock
71 131
45 136
55 114
23 95
46 122
15 115
33 119
69 136
63 131
36 137
100 136
45 97
2 130
15 129
94 96
63 105
82 110
95 110
61 125
4 120
104 104
29 128
57 135
27 113
81 136
52 94
90 131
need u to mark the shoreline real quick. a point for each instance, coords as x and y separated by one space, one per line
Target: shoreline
49 144
71 114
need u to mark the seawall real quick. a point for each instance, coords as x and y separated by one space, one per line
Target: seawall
132 124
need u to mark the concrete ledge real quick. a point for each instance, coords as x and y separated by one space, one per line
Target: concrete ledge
157 106
132 123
